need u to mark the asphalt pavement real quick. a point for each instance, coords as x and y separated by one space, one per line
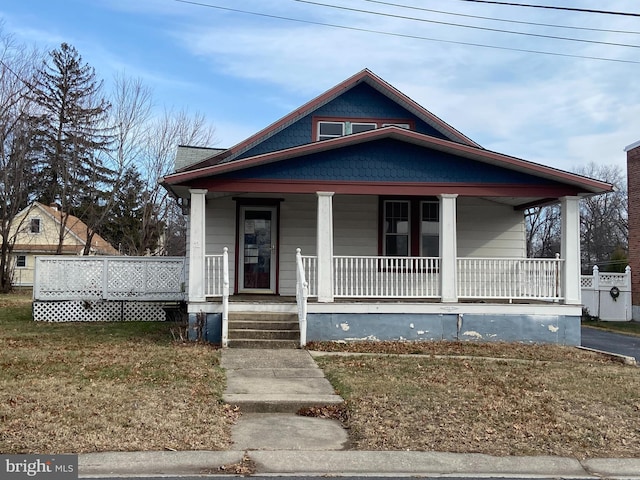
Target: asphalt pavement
605 341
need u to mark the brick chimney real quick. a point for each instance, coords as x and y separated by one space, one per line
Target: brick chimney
633 193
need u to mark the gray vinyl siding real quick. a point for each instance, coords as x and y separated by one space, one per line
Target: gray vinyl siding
485 229
221 231
489 229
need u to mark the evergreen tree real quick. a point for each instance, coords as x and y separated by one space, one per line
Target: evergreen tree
71 134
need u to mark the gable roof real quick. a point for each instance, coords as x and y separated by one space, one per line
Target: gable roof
75 227
364 76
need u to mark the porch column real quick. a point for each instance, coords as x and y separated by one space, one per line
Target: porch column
324 248
448 248
570 250
197 245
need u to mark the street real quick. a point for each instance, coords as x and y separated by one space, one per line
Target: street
611 342
353 477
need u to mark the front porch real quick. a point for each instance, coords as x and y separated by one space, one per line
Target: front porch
386 298
348 297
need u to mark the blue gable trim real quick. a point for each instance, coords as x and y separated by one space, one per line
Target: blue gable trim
386 160
362 101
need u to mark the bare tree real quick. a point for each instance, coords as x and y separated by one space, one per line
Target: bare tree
603 220
128 123
603 224
173 128
543 231
17 74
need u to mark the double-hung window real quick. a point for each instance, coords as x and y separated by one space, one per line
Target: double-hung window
410 227
430 229
397 238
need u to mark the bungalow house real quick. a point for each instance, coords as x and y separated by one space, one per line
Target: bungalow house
37 230
367 217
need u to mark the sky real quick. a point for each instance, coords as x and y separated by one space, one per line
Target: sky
243 71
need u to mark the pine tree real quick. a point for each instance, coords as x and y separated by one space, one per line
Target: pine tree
71 133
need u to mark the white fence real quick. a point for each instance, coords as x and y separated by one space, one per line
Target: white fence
109 278
607 295
106 288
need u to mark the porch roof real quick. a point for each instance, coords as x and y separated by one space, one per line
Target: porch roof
506 179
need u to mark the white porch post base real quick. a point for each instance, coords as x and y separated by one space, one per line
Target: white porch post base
325 246
448 249
570 250
197 245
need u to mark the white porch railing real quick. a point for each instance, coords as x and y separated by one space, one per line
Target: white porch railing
310 268
386 277
213 275
510 278
302 293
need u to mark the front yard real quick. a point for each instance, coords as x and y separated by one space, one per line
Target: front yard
105 387
129 386
496 399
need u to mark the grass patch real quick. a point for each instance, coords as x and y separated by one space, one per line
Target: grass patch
629 328
85 387
497 399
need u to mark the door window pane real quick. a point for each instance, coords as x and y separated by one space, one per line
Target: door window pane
257 249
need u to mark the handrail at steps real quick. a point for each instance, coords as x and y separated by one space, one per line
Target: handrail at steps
302 293
225 297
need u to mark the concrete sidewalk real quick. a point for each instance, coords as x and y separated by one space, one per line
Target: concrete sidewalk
269 438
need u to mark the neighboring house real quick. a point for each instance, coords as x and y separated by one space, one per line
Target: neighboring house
633 195
407 228
37 232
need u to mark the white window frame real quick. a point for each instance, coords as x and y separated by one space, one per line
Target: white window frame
349 129
401 125
328 122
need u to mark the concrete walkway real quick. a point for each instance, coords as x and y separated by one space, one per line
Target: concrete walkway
269 438
270 386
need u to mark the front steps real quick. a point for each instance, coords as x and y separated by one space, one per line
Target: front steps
263 330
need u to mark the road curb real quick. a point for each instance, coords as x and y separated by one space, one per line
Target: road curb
627 360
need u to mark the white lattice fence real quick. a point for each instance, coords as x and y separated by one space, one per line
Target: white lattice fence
98 311
109 278
81 289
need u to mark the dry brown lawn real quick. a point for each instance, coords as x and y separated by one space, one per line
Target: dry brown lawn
105 387
129 386
498 399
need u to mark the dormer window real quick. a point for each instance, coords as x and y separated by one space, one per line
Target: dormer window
330 128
